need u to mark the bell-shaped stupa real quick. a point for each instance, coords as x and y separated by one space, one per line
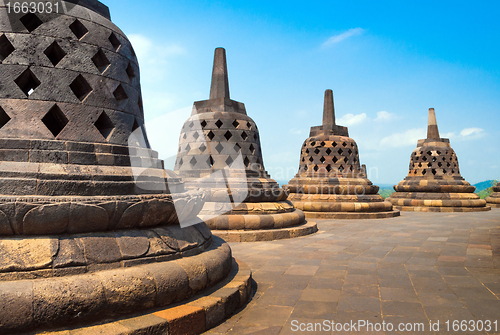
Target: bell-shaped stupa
331 182
494 199
434 182
88 234
220 153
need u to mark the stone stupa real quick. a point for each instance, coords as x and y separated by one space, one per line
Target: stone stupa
331 182
494 199
434 182
84 240
220 153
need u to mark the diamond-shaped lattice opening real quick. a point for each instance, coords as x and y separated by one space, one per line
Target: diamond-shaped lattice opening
236 124
80 87
316 168
104 125
316 151
55 120
244 136
322 144
229 160
78 29
311 159
322 159
303 159
328 151
237 147
252 149
255 137
344 144
335 159
340 151
249 125
211 135
120 93
203 124
341 168
196 135
4 118
346 160
54 53
219 123
130 71
434 159
6 48
193 161
27 82
419 164
191 125
349 151
228 135
334 144
434 172
305 168
329 168
100 60
184 136
30 21
115 42
246 161
424 159
424 171
188 148
203 147
210 161
219 148
355 160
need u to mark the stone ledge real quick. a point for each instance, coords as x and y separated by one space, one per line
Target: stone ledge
201 313
442 209
266 234
351 215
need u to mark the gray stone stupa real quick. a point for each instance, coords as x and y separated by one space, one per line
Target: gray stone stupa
86 242
220 153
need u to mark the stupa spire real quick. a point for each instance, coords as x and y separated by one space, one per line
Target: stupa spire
220 81
328 111
432 127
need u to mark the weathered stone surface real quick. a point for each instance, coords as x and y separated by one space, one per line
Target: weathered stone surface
434 182
220 152
331 182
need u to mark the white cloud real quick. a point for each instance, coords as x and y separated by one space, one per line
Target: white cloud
472 133
384 116
343 36
407 138
352 119
153 57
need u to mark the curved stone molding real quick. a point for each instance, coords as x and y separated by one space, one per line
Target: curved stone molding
61 301
434 182
494 199
331 183
220 154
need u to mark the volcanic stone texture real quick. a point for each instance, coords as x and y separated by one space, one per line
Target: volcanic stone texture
331 183
220 152
434 182
89 219
494 199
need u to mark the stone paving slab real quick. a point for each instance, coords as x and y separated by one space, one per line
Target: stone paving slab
417 268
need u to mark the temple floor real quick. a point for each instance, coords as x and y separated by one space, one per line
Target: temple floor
408 270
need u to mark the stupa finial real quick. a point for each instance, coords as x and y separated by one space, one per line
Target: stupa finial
432 127
220 81
328 111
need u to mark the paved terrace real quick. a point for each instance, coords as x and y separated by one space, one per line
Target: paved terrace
415 268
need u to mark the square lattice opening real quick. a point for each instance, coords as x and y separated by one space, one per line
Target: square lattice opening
6 48
54 53
55 120
27 82
80 87
100 60
104 125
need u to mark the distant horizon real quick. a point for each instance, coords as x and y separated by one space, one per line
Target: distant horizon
385 74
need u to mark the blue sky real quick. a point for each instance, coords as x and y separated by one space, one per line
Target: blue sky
386 61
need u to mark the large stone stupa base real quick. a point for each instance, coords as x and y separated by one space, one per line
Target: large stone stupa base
263 221
494 199
352 200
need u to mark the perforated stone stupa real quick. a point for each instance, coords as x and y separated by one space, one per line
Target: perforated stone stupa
331 182
83 238
494 199
434 182
220 153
